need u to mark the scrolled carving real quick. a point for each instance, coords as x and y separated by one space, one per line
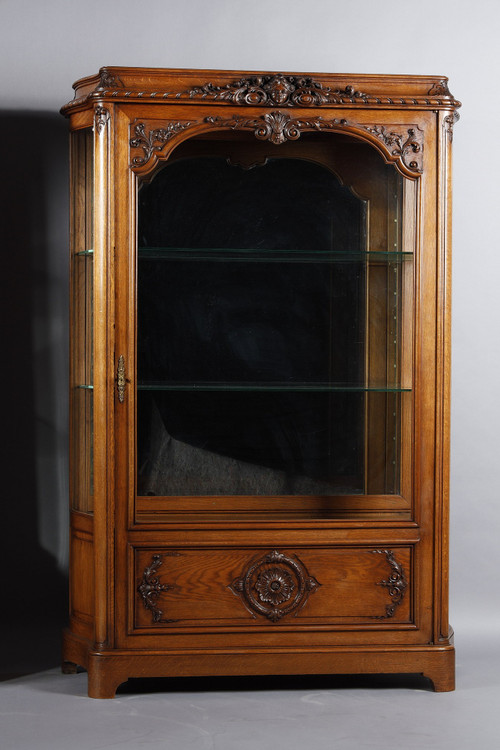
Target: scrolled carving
150 589
152 142
101 117
108 80
278 89
408 147
274 586
439 89
276 127
396 583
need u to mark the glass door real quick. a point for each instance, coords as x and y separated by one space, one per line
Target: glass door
270 329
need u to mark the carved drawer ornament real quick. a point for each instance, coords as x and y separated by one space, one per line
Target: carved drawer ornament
151 589
274 586
396 583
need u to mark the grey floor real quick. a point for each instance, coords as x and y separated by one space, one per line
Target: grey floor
46 710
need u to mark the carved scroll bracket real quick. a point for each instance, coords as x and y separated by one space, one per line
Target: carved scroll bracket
274 586
151 589
396 583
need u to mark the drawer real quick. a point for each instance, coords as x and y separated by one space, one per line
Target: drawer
270 588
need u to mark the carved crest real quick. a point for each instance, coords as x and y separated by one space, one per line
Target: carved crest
274 586
278 89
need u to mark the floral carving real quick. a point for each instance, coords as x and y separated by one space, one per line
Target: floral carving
101 117
408 147
279 89
275 586
396 583
150 589
153 142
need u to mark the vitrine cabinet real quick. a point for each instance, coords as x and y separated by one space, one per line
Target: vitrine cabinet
260 282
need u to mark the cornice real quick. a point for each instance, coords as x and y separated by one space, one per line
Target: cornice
266 89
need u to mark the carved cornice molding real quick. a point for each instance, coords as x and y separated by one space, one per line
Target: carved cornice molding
150 589
274 586
396 583
263 90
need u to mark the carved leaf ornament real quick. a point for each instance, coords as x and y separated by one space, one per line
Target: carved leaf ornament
396 584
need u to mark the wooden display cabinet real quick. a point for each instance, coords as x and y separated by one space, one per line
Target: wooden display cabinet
260 270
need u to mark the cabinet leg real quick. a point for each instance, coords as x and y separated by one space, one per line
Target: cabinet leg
69 667
103 682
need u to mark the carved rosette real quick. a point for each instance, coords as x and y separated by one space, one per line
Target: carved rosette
153 141
274 586
101 117
150 589
279 89
396 583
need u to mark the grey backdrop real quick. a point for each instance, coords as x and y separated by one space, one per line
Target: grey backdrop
44 47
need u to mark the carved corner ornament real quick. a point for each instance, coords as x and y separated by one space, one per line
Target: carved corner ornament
276 90
101 117
153 141
275 586
150 589
396 584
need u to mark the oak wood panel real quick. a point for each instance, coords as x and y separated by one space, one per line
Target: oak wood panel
349 587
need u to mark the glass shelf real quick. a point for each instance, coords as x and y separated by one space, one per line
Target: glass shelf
256 255
270 387
85 252
85 387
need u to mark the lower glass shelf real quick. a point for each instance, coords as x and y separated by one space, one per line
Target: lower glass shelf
270 387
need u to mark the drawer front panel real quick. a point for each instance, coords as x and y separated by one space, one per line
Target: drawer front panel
212 588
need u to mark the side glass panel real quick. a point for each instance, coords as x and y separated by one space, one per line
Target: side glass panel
81 366
269 338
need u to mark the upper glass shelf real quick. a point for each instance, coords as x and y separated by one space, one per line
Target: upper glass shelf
269 387
85 252
256 255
